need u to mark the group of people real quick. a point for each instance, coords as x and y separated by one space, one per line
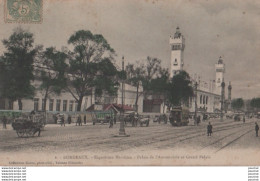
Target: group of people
69 120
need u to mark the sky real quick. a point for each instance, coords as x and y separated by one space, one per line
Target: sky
140 28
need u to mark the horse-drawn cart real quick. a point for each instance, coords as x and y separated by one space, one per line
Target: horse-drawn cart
136 119
27 128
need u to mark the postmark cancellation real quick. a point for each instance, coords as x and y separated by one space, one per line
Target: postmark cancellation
23 11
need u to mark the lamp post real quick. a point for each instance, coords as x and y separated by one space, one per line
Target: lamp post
122 123
222 99
196 106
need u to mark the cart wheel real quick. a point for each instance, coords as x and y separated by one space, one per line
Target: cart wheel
29 132
20 133
39 133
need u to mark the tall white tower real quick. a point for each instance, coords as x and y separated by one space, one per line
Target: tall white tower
220 70
177 48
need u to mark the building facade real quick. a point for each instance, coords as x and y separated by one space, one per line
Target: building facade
65 102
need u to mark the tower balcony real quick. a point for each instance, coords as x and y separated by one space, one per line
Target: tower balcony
220 68
179 40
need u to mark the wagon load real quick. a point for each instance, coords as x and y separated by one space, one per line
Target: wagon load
26 128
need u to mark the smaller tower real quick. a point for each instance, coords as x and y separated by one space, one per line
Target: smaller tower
177 43
220 70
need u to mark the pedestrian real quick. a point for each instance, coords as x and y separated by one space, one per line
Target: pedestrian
244 119
62 121
69 119
110 122
256 129
85 119
4 122
209 129
132 119
79 121
198 120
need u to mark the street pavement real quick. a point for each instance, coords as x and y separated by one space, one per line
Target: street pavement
99 138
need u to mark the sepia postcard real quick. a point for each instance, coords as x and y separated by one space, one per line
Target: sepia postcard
129 83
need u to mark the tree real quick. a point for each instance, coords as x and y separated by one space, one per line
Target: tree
152 69
135 75
180 89
18 66
237 104
255 103
52 69
160 85
142 74
90 66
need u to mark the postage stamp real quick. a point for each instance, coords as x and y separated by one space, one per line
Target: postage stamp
23 11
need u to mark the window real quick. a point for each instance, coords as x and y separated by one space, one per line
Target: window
207 100
36 104
175 62
71 105
200 99
58 104
51 105
203 99
43 103
65 102
176 47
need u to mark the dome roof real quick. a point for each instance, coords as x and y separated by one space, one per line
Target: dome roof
178 33
220 61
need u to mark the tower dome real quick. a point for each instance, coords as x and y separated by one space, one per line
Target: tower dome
220 60
178 33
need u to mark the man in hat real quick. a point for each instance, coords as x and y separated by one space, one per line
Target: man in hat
209 129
